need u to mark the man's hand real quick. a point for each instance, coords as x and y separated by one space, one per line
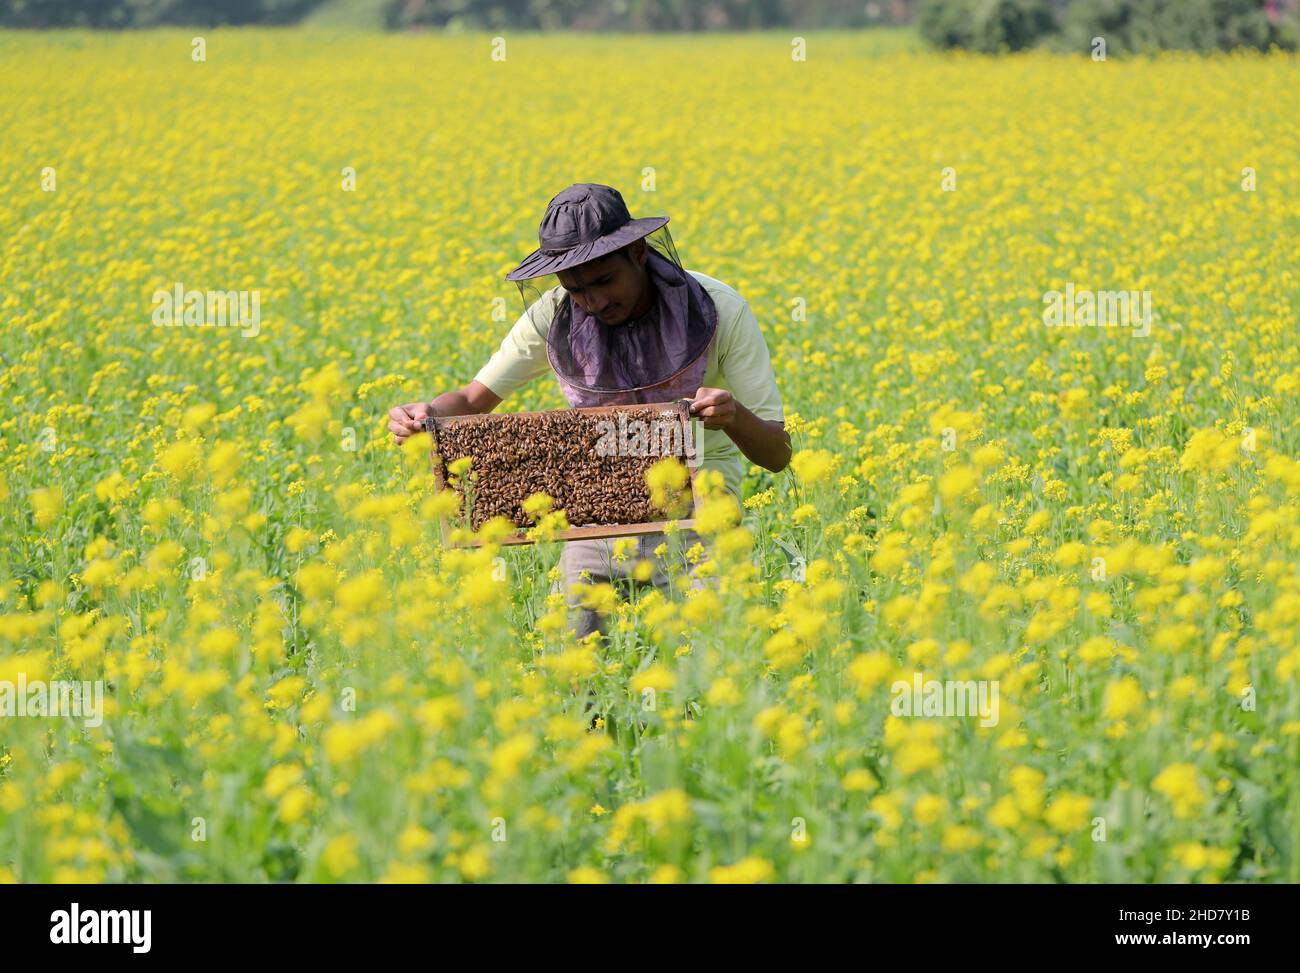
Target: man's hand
715 406
763 441
403 420
474 399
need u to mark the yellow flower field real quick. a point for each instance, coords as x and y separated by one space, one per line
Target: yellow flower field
301 684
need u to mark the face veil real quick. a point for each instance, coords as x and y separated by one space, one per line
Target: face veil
638 353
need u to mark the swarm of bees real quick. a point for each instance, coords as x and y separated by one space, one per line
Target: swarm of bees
585 461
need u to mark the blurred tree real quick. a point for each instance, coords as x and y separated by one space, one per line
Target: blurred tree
985 25
1196 25
148 13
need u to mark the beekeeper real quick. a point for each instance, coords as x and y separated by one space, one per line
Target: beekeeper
610 311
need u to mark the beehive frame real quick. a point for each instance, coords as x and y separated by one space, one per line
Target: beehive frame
434 424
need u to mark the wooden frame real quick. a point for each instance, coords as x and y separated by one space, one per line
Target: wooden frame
432 425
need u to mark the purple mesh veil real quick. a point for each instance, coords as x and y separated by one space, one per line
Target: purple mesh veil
633 354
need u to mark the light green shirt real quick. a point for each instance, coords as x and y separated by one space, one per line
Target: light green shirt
738 361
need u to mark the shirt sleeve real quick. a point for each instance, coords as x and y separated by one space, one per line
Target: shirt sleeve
520 359
746 366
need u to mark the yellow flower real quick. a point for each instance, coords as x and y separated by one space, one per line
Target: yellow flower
405 873
657 676
959 837
344 741
1191 855
47 504
444 503
1181 783
717 514
113 487
198 416
957 483
510 754
180 458
316 579
416 447
340 855
280 778
1097 649
223 462
1068 812
1004 813
804 513
929 808
286 692
474 863
860 779
99 573
361 594
869 670
916 755
1036 522
1123 696
537 504
667 480
722 692
1209 450
813 465
987 456
219 644
414 840
1070 554
659 812
747 871
295 804
887 808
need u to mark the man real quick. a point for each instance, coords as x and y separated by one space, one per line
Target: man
622 322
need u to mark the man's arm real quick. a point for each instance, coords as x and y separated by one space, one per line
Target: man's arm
764 441
473 399
751 413
520 359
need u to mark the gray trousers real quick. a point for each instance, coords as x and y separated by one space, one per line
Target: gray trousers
596 558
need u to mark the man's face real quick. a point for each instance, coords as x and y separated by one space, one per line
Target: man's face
611 288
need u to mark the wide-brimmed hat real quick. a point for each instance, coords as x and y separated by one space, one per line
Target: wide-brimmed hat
584 222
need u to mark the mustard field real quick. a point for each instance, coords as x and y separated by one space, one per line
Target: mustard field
1034 322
